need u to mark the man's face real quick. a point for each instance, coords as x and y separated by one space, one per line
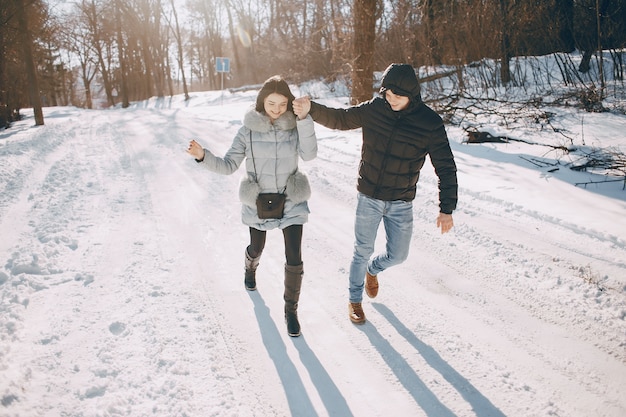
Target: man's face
396 102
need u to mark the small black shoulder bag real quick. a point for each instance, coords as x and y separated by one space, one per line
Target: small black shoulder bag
268 205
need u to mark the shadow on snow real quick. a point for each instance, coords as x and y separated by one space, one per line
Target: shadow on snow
411 381
297 397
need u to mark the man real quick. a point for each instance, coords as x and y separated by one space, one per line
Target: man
398 130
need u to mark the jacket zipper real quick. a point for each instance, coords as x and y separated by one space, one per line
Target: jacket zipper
385 159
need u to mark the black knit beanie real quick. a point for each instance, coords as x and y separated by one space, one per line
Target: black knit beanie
401 79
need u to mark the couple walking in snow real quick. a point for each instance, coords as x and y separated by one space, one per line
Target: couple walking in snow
398 132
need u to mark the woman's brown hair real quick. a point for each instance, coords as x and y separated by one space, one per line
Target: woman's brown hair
278 85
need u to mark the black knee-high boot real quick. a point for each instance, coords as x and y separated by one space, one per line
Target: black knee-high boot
293 283
250 275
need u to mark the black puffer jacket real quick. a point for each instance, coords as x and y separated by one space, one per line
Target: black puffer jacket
395 143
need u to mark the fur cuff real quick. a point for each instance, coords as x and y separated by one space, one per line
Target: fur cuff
298 188
248 192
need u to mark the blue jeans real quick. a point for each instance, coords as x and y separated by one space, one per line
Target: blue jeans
397 217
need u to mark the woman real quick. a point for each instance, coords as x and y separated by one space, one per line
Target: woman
271 140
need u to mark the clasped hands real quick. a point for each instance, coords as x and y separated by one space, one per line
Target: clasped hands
302 106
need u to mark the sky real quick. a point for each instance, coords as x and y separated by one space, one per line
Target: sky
121 277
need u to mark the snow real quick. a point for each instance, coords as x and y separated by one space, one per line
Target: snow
122 278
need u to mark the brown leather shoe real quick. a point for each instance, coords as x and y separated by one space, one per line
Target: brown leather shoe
371 285
356 313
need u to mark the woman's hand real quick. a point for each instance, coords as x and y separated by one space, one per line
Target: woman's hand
302 106
445 222
196 150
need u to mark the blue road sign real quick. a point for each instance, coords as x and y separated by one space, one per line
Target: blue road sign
222 64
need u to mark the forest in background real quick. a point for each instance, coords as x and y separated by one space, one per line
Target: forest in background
99 53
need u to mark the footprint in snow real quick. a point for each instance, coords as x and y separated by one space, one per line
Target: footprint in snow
117 328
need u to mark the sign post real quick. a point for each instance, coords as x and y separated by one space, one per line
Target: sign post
222 65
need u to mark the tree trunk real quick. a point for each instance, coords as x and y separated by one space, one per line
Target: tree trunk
179 43
158 42
565 15
364 36
235 62
146 53
88 99
599 13
93 16
122 58
31 73
585 61
505 53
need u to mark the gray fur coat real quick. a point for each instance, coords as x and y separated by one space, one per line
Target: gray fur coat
276 148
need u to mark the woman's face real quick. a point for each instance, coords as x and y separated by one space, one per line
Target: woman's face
275 105
396 102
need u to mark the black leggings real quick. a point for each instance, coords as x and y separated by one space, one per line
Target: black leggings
293 243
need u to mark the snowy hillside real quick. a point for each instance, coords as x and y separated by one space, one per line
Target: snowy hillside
121 284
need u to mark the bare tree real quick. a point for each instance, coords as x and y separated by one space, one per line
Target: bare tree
505 42
434 9
27 44
179 43
76 40
121 57
206 41
130 41
102 43
365 34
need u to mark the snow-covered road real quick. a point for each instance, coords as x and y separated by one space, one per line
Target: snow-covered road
122 283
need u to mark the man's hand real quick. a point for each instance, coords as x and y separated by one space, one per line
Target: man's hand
196 150
445 222
302 106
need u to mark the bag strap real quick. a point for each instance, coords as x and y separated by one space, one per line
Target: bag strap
253 163
256 176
